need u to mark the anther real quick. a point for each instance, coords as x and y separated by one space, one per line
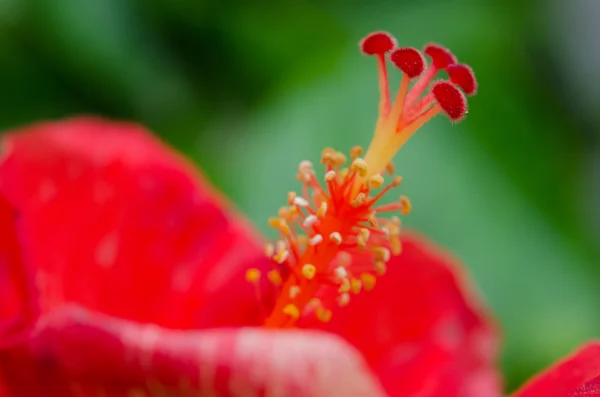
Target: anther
382 254
322 210
336 238
316 239
323 314
269 250
310 220
343 299
274 277
292 311
380 267
252 275
359 200
294 291
355 152
360 167
368 281
309 271
355 285
281 256
330 176
375 181
344 286
373 219
405 205
291 196
300 202
284 228
397 181
464 77
341 272
390 168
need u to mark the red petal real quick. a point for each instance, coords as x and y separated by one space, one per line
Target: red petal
17 308
116 222
567 375
420 330
589 389
95 355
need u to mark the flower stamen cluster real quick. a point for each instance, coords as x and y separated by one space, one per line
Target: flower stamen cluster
339 216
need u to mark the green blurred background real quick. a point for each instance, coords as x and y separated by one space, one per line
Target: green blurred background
248 89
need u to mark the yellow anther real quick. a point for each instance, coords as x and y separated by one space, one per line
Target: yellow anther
322 210
397 181
284 228
355 152
327 155
344 173
294 291
368 281
373 219
406 206
292 311
359 200
381 254
396 245
252 275
281 256
361 242
355 285
269 249
290 197
274 277
380 267
343 299
365 232
344 286
284 212
360 167
390 168
336 238
309 271
314 303
323 314
375 181
274 223
339 158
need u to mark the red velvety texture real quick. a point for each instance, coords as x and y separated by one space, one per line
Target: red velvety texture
576 375
420 329
112 221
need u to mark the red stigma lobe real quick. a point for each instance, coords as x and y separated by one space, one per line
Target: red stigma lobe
464 77
451 99
441 57
377 43
409 60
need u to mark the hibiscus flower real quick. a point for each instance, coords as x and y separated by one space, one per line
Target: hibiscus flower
123 273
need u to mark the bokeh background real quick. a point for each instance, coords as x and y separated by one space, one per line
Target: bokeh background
249 88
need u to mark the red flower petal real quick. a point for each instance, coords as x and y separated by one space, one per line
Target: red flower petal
419 329
566 376
114 221
89 354
589 389
16 310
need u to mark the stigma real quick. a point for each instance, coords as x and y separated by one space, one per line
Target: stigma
338 216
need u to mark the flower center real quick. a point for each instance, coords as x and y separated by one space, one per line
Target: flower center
338 219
